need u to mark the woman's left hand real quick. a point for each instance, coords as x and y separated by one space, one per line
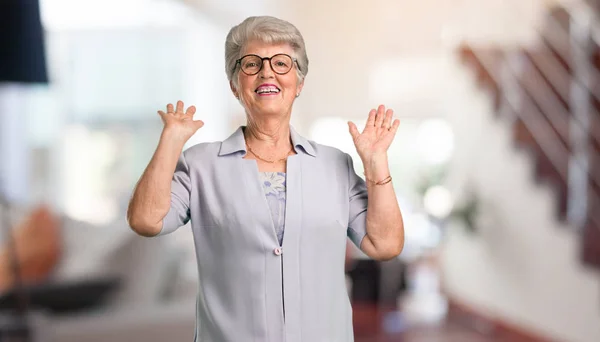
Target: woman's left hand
377 136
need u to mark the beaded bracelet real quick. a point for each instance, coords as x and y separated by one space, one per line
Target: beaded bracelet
381 182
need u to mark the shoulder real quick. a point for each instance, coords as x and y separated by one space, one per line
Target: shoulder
330 154
202 151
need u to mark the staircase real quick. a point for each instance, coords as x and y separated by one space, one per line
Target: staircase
550 94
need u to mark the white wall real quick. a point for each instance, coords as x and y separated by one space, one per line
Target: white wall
524 265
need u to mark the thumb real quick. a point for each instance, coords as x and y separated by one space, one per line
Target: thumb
353 130
198 123
162 116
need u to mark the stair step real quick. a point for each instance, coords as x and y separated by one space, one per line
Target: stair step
544 171
554 74
548 93
591 245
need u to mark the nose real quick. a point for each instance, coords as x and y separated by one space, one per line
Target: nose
266 71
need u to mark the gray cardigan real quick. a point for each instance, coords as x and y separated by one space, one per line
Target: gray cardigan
251 289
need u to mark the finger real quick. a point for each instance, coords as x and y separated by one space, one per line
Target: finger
170 108
162 115
353 130
389 114
371 119
380 116
180 106
394 128
199 123
190 111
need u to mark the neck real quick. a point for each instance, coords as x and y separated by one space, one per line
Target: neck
268 133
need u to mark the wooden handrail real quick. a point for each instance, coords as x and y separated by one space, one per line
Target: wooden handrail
543 133
541 94
560 79
534 95
561 130
552 40
541 130
545 68
557 75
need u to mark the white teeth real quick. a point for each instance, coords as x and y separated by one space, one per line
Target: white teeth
267 90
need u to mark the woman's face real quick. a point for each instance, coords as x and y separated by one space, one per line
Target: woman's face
268 93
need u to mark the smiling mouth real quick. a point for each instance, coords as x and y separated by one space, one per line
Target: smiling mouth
267 90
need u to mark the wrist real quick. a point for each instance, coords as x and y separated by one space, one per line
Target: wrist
173 136
376 167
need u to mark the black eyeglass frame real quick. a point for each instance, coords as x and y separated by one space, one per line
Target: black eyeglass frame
262 63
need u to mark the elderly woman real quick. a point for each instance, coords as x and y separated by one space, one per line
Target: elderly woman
270 210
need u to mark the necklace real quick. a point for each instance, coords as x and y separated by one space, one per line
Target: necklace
269 161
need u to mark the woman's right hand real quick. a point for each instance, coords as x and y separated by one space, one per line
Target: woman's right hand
179 124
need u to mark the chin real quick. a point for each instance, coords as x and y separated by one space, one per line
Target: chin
272 109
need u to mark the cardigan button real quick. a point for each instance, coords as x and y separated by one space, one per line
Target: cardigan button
278 251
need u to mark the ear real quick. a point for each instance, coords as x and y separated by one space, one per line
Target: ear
233 90
299 87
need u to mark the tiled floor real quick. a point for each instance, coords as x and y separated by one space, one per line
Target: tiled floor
446 333
416 323
423 318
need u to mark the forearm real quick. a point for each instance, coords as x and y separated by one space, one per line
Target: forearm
151 198
385 228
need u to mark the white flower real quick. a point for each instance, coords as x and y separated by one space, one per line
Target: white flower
273 182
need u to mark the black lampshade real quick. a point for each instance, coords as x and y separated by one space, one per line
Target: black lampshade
22 54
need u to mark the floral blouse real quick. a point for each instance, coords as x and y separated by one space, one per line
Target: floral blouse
274 186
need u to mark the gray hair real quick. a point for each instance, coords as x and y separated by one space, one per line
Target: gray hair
266 29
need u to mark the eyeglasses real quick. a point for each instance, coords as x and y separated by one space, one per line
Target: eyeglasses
281 64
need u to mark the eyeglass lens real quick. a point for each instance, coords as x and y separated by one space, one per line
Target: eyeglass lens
280 64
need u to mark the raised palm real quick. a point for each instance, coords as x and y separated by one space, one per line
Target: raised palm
378 134
180 123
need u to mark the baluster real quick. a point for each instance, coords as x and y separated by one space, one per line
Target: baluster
579 126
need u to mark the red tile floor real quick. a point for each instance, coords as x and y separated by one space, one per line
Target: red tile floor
445 331
423 317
